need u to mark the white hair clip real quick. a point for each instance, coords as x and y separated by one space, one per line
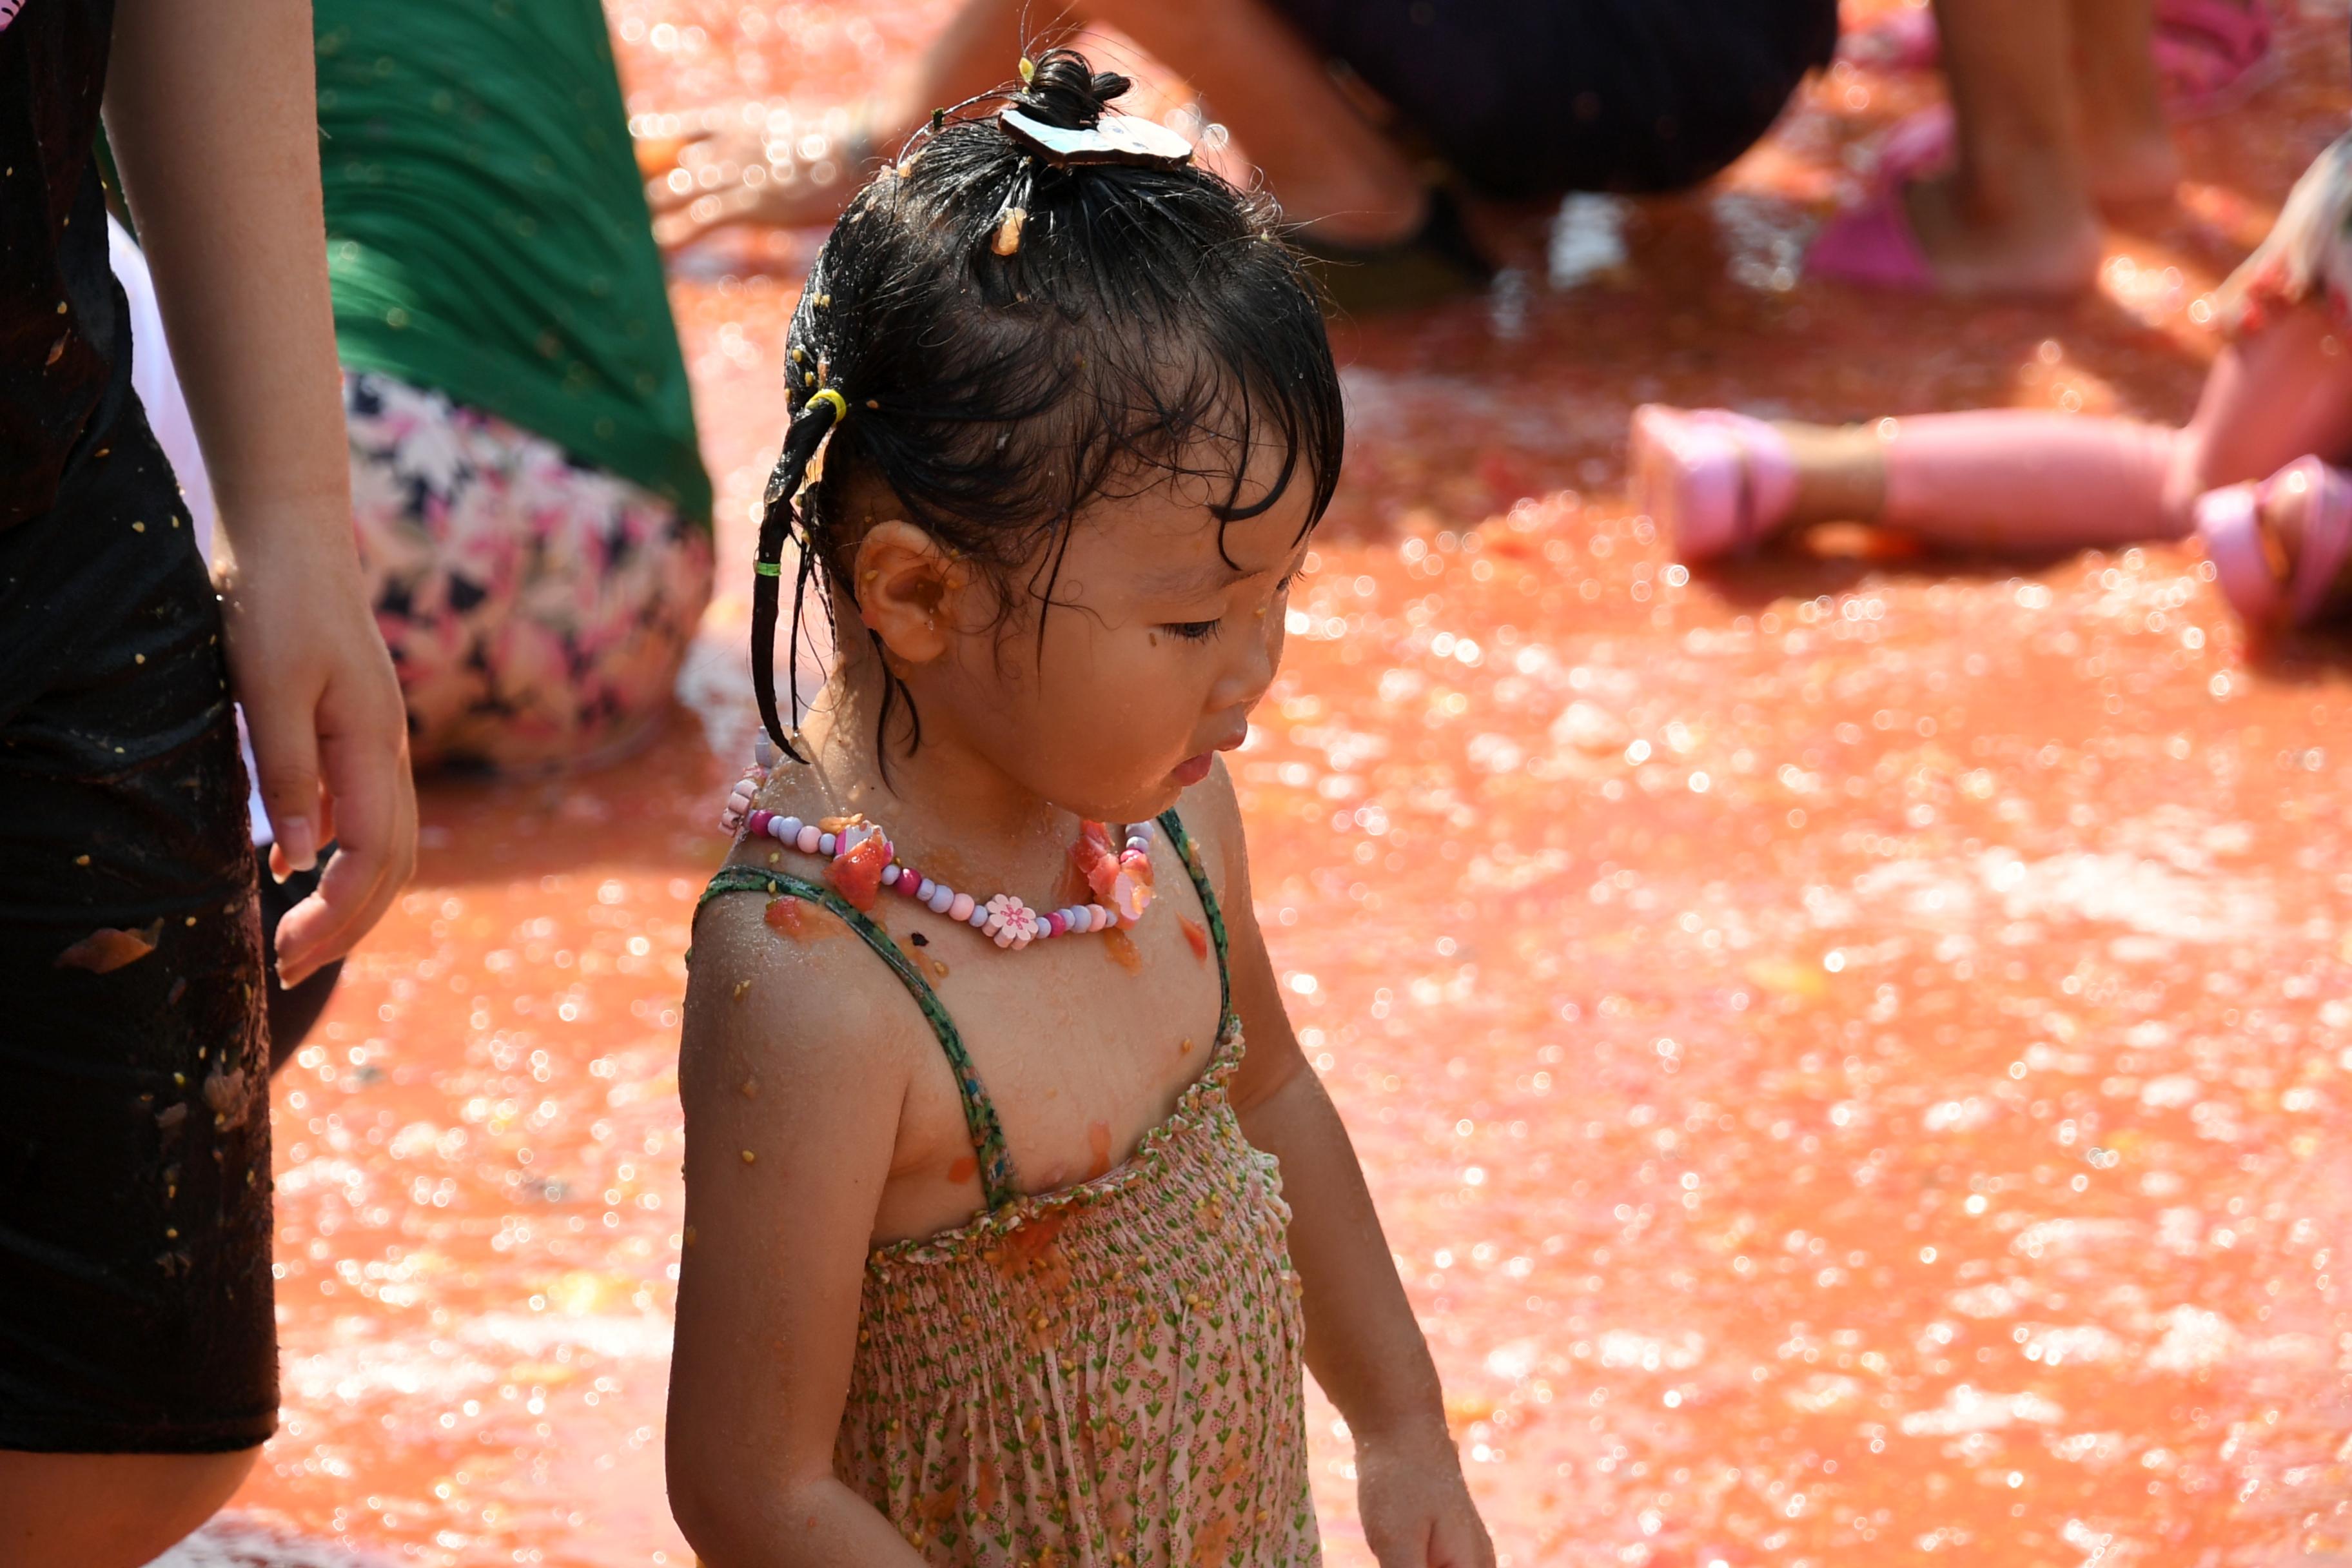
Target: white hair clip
1114 139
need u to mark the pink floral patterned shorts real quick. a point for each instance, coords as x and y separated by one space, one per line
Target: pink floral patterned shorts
537 610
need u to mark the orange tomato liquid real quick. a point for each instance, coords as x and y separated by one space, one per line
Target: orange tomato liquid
1853 1049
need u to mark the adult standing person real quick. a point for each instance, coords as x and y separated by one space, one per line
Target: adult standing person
137 1357
533 515
1368 116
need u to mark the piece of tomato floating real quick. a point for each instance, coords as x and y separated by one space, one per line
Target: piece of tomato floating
857 876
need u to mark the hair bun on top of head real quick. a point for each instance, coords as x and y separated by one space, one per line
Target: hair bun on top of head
1063 90
1059 117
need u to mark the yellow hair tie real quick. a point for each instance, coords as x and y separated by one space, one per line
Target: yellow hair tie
832 396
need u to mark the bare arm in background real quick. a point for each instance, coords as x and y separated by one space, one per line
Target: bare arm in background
211 110
1332 168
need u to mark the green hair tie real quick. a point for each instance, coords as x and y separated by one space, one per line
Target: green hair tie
767 569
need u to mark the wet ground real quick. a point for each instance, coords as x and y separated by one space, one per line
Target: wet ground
1854 1052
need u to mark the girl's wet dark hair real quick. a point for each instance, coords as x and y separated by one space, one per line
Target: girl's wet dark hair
993 342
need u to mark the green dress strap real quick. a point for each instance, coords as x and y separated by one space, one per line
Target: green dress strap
1173 826
987 1145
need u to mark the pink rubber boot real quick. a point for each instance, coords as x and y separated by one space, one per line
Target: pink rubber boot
1716 481
2247 563
2015 479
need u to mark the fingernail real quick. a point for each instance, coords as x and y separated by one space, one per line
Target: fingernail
300 842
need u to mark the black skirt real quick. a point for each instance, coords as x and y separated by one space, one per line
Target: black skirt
135 1288
1538 97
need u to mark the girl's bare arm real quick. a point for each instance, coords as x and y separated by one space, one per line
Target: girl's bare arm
792 1090
212 115
1363 1344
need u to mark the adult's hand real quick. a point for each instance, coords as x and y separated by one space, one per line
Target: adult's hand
329 738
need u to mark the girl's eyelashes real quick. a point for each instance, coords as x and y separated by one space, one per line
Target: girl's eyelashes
1202 631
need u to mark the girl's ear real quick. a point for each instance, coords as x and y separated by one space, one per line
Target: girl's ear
908 588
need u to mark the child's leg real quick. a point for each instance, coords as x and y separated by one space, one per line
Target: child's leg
2018 479
2002 478
1988 480
2278 394
2276 400
2006 479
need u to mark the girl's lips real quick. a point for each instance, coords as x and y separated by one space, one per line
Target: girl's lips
1192 770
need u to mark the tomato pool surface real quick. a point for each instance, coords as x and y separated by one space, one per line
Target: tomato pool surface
1853 1050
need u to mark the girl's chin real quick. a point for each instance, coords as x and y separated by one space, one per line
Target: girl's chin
1192 770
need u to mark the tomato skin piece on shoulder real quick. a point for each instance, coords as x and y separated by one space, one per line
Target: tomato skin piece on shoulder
1197 935
857 875
786 917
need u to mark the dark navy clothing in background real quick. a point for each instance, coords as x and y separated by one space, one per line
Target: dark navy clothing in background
1537 98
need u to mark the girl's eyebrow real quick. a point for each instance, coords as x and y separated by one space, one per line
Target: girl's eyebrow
1198 579
1211 575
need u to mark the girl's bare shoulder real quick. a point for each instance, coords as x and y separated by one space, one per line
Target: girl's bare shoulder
786 980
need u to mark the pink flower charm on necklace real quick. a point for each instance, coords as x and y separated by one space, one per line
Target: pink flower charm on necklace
1011 922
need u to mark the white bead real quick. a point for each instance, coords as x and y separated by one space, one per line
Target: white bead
827 844
942 896
889 876
924 889
979 916
787 828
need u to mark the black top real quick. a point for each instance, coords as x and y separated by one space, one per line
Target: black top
65 336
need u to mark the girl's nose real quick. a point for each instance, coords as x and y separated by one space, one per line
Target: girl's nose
1257 659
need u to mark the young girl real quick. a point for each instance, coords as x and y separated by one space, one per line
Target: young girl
2278 402
999 1247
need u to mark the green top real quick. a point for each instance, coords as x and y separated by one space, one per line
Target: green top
487 233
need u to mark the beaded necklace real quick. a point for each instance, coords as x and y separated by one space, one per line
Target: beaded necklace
861 864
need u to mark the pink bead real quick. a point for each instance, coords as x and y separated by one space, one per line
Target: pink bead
758 821
910 882
1055 925
809 839
962 907
1101 918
